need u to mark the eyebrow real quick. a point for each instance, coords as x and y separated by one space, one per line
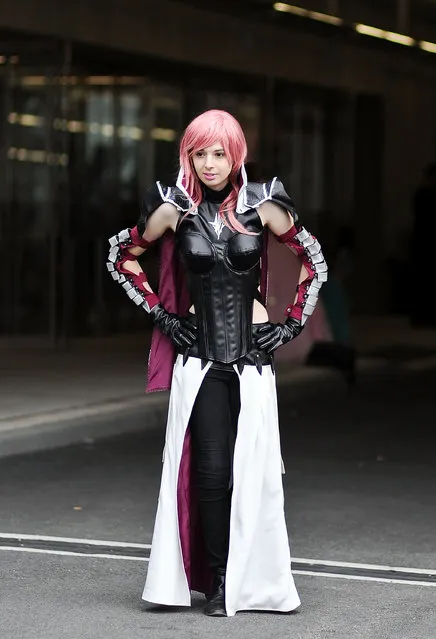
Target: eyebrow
214 151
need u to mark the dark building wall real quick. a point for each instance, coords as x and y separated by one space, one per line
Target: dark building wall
177 31
402 80
405 79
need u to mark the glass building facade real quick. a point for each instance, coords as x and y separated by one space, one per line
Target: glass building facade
83 132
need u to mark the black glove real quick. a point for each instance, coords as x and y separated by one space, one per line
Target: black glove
180 330
271 336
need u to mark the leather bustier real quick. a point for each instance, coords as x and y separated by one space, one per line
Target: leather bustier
223 269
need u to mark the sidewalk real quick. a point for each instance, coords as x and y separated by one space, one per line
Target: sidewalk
49 398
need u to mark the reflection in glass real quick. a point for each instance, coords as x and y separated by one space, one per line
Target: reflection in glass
79 150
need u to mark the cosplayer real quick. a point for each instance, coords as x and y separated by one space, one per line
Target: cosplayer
220 525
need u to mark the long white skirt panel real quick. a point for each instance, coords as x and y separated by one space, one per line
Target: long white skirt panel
259 565
166 581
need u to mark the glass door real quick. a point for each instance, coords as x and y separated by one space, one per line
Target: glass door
33 164
300 154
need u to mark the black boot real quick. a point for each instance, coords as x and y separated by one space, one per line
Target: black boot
216 606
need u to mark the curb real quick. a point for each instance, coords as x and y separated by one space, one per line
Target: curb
87 423
82 425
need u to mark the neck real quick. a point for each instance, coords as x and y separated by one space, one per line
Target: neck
218 188
216 195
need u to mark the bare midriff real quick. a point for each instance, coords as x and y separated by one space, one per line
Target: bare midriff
260 314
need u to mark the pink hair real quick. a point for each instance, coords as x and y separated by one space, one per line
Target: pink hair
205 130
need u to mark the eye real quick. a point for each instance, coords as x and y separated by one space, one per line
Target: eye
199 154
219 154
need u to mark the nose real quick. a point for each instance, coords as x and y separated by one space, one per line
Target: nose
209 161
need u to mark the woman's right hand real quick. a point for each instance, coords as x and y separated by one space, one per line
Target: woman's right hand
181 331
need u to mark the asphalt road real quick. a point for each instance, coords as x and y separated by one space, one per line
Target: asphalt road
360 487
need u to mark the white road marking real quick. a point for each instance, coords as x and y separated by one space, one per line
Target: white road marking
127 544
66 553
344 564
296 560
386 580
71 540
302 573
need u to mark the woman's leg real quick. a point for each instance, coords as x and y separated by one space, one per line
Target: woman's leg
213 424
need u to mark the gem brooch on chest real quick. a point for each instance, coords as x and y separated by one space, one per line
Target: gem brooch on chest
217 225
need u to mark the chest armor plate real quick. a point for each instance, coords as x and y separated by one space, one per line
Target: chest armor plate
223 268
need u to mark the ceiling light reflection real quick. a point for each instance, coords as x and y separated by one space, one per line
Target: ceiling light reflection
33 80
306 13
290 8
428 46
163 135
94 128
25 119
375 32
324 17
37 156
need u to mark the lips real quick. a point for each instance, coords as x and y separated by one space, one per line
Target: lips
209 176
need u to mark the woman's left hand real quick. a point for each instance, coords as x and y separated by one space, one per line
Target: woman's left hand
271 336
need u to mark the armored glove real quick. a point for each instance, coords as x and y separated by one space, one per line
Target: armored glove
181 331
271 336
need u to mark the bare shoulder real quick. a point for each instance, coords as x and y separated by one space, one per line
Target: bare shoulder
159 212
164 218
275 217
275 207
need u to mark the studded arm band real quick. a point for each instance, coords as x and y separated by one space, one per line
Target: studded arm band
308 249
132 283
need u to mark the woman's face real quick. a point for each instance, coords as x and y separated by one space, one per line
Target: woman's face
212 166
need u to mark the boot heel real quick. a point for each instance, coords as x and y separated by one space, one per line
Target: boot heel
216 605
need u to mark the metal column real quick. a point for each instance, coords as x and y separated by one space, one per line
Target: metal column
403 16
333 7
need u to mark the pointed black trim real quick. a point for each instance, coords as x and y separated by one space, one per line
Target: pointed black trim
240 364
186 356
258 364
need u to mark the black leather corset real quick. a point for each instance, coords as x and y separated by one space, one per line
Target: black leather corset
223 268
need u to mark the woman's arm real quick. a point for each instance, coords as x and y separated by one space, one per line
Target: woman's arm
130 244
125 269
303 244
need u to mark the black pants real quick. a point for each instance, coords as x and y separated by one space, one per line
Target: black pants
213 424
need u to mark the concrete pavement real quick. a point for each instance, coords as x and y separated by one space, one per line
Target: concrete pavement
359 487
53 399
50 398
76 598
